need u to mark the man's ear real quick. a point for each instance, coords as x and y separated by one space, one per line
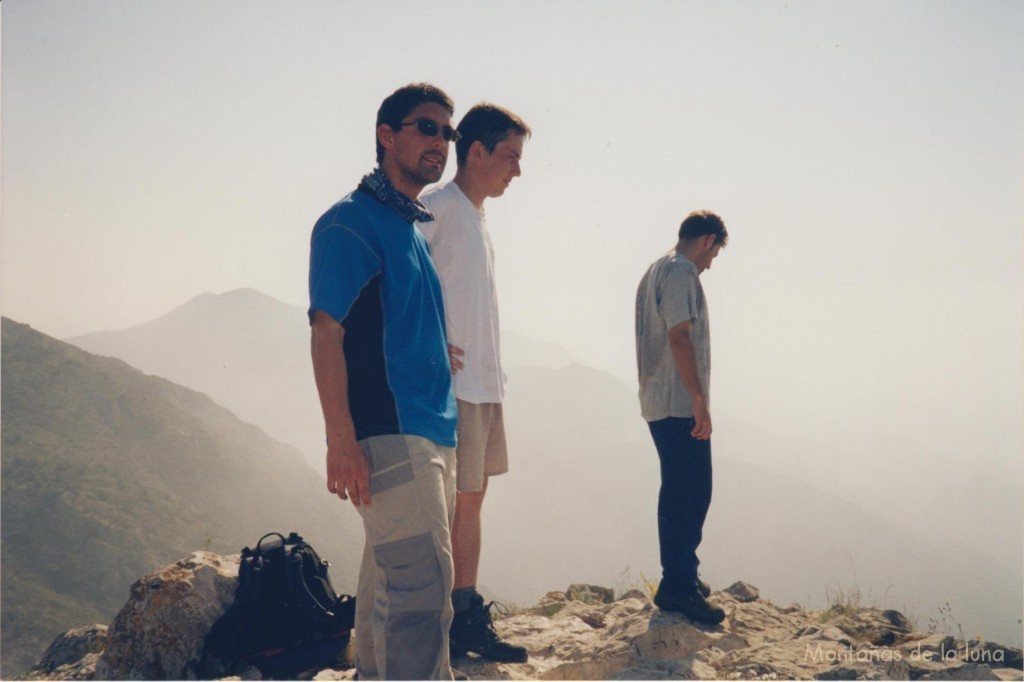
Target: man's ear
385 135
709 242
477 150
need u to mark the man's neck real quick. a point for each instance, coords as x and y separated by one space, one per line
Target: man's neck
688 249
407 187
465 182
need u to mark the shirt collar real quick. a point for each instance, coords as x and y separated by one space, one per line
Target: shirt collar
380 187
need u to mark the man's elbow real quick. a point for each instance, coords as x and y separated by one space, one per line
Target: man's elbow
680 334
325 329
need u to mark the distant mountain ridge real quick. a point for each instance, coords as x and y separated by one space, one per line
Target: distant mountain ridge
107 472
250 353
244 349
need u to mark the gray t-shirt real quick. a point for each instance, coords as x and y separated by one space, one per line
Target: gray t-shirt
669 293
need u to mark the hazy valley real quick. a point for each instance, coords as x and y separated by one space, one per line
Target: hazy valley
140 471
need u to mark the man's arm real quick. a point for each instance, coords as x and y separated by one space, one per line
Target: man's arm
348 471
686 363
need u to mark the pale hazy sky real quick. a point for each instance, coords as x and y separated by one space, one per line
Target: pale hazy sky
866 157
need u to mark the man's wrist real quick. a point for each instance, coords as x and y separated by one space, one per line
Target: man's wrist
341 436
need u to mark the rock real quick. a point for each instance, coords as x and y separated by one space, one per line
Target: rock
72 655
159 632
577 634
896 619
331 675
670 637
993 655
549 605
634 594
742 592
590 594
938 645
969 671
1009 674
885 638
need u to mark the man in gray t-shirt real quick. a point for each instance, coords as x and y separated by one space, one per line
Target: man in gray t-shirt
673 355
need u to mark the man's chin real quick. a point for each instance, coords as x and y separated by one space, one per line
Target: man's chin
431 174
425 176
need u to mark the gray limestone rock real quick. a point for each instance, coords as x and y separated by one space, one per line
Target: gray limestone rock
743 592
896 619
590 594
72 655
577 634
968 671
634 594
159 632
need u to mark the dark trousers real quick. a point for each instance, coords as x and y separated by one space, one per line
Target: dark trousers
683 501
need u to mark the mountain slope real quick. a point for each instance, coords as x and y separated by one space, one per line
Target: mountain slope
250 353
247 351
107 472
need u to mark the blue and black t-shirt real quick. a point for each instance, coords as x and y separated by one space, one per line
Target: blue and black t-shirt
370 270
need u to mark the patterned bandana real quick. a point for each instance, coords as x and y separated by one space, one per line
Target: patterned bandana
378 186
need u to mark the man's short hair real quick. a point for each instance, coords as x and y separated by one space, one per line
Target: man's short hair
703 223
488 124
398 104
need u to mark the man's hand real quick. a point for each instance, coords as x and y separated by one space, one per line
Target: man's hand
454 353
702 419
348 471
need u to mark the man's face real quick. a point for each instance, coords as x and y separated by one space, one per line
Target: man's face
708 253
421 158
495 171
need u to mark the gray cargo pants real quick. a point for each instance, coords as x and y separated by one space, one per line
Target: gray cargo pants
403 604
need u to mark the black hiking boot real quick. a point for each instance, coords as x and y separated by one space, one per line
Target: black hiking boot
473 631
693 605
703 588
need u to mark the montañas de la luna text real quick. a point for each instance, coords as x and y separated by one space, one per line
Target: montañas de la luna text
884 655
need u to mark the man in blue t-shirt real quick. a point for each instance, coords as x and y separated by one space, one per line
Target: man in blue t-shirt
382 372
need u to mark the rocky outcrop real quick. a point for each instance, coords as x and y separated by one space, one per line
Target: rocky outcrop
72 656
632 640
158 634
582 633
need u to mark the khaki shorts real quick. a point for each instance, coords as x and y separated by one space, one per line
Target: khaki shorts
481 451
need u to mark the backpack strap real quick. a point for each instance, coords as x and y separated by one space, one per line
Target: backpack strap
249 571
259 545
306 600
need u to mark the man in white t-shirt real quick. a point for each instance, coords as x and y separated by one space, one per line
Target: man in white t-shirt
488 153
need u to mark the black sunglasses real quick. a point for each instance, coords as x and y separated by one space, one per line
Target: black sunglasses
429 128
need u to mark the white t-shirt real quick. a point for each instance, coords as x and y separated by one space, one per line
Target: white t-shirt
464 258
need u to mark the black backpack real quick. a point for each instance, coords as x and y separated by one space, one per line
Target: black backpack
286 617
